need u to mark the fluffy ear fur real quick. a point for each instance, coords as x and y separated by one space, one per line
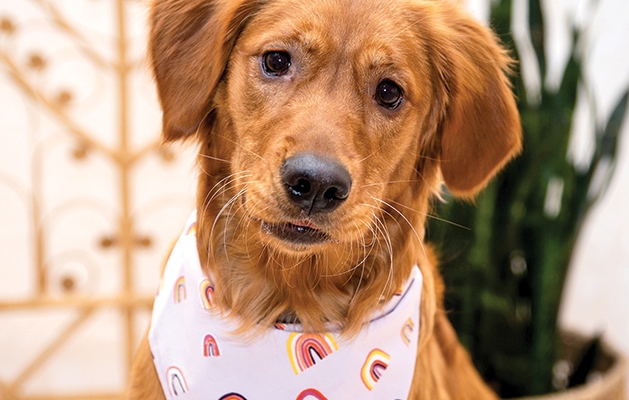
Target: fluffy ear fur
479 121
189 45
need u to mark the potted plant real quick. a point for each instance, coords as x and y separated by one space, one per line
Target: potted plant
505 274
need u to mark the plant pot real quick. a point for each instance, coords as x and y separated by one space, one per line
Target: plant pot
608 381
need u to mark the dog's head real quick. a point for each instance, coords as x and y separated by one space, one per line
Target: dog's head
325 128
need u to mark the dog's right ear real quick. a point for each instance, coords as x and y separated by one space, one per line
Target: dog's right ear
189 45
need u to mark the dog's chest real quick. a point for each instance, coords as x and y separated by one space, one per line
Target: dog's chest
196 357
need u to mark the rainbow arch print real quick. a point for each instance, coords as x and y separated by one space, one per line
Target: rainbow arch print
176 381
399 291
311 394
232 396
407 332
179 293
376 363
305 349
192 229
206 290
210 347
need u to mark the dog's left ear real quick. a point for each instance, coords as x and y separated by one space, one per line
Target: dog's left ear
189 45
479 121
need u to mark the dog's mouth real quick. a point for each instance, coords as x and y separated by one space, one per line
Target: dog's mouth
303 232
296 232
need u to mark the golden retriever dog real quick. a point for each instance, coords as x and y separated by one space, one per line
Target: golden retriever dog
326 128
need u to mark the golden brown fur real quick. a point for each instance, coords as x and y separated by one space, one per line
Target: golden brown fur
456 124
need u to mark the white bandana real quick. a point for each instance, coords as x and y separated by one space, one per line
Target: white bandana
197 357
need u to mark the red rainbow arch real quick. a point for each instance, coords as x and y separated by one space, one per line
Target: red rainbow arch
210 347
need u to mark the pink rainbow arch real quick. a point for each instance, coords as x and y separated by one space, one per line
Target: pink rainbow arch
176 381
210 347
311 394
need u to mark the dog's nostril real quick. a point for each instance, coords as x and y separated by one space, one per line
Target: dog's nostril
302 187
315 183
334 193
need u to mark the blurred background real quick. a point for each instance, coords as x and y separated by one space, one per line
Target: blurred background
90 201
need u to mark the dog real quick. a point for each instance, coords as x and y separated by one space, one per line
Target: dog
326 131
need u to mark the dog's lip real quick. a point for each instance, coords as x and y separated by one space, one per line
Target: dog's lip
306 224
302 232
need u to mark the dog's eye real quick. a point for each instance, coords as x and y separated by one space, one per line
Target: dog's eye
276 62
388 94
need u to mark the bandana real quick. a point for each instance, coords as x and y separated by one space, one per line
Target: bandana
197 357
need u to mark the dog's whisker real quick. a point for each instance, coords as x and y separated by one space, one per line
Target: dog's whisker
221 185
381 226
436 191
225 187
219 190
349 255
229 203
242 147
388 183
431 216
363 262
247 221
230 215
219 215
213 158
419 238
425 157
376 151
401 215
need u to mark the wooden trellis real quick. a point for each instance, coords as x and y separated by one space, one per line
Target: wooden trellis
24 71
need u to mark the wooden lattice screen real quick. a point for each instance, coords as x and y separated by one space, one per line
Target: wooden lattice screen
89 200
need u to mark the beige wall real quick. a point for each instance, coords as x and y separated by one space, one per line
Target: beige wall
71 309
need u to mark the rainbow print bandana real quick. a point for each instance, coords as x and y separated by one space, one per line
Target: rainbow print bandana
196 357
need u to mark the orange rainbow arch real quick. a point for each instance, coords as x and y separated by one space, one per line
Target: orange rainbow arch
305 349
192 229
311 394
376 363
176 381
210 347
206 290
180 290
407 332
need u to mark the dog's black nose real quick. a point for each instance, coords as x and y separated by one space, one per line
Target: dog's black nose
315 183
